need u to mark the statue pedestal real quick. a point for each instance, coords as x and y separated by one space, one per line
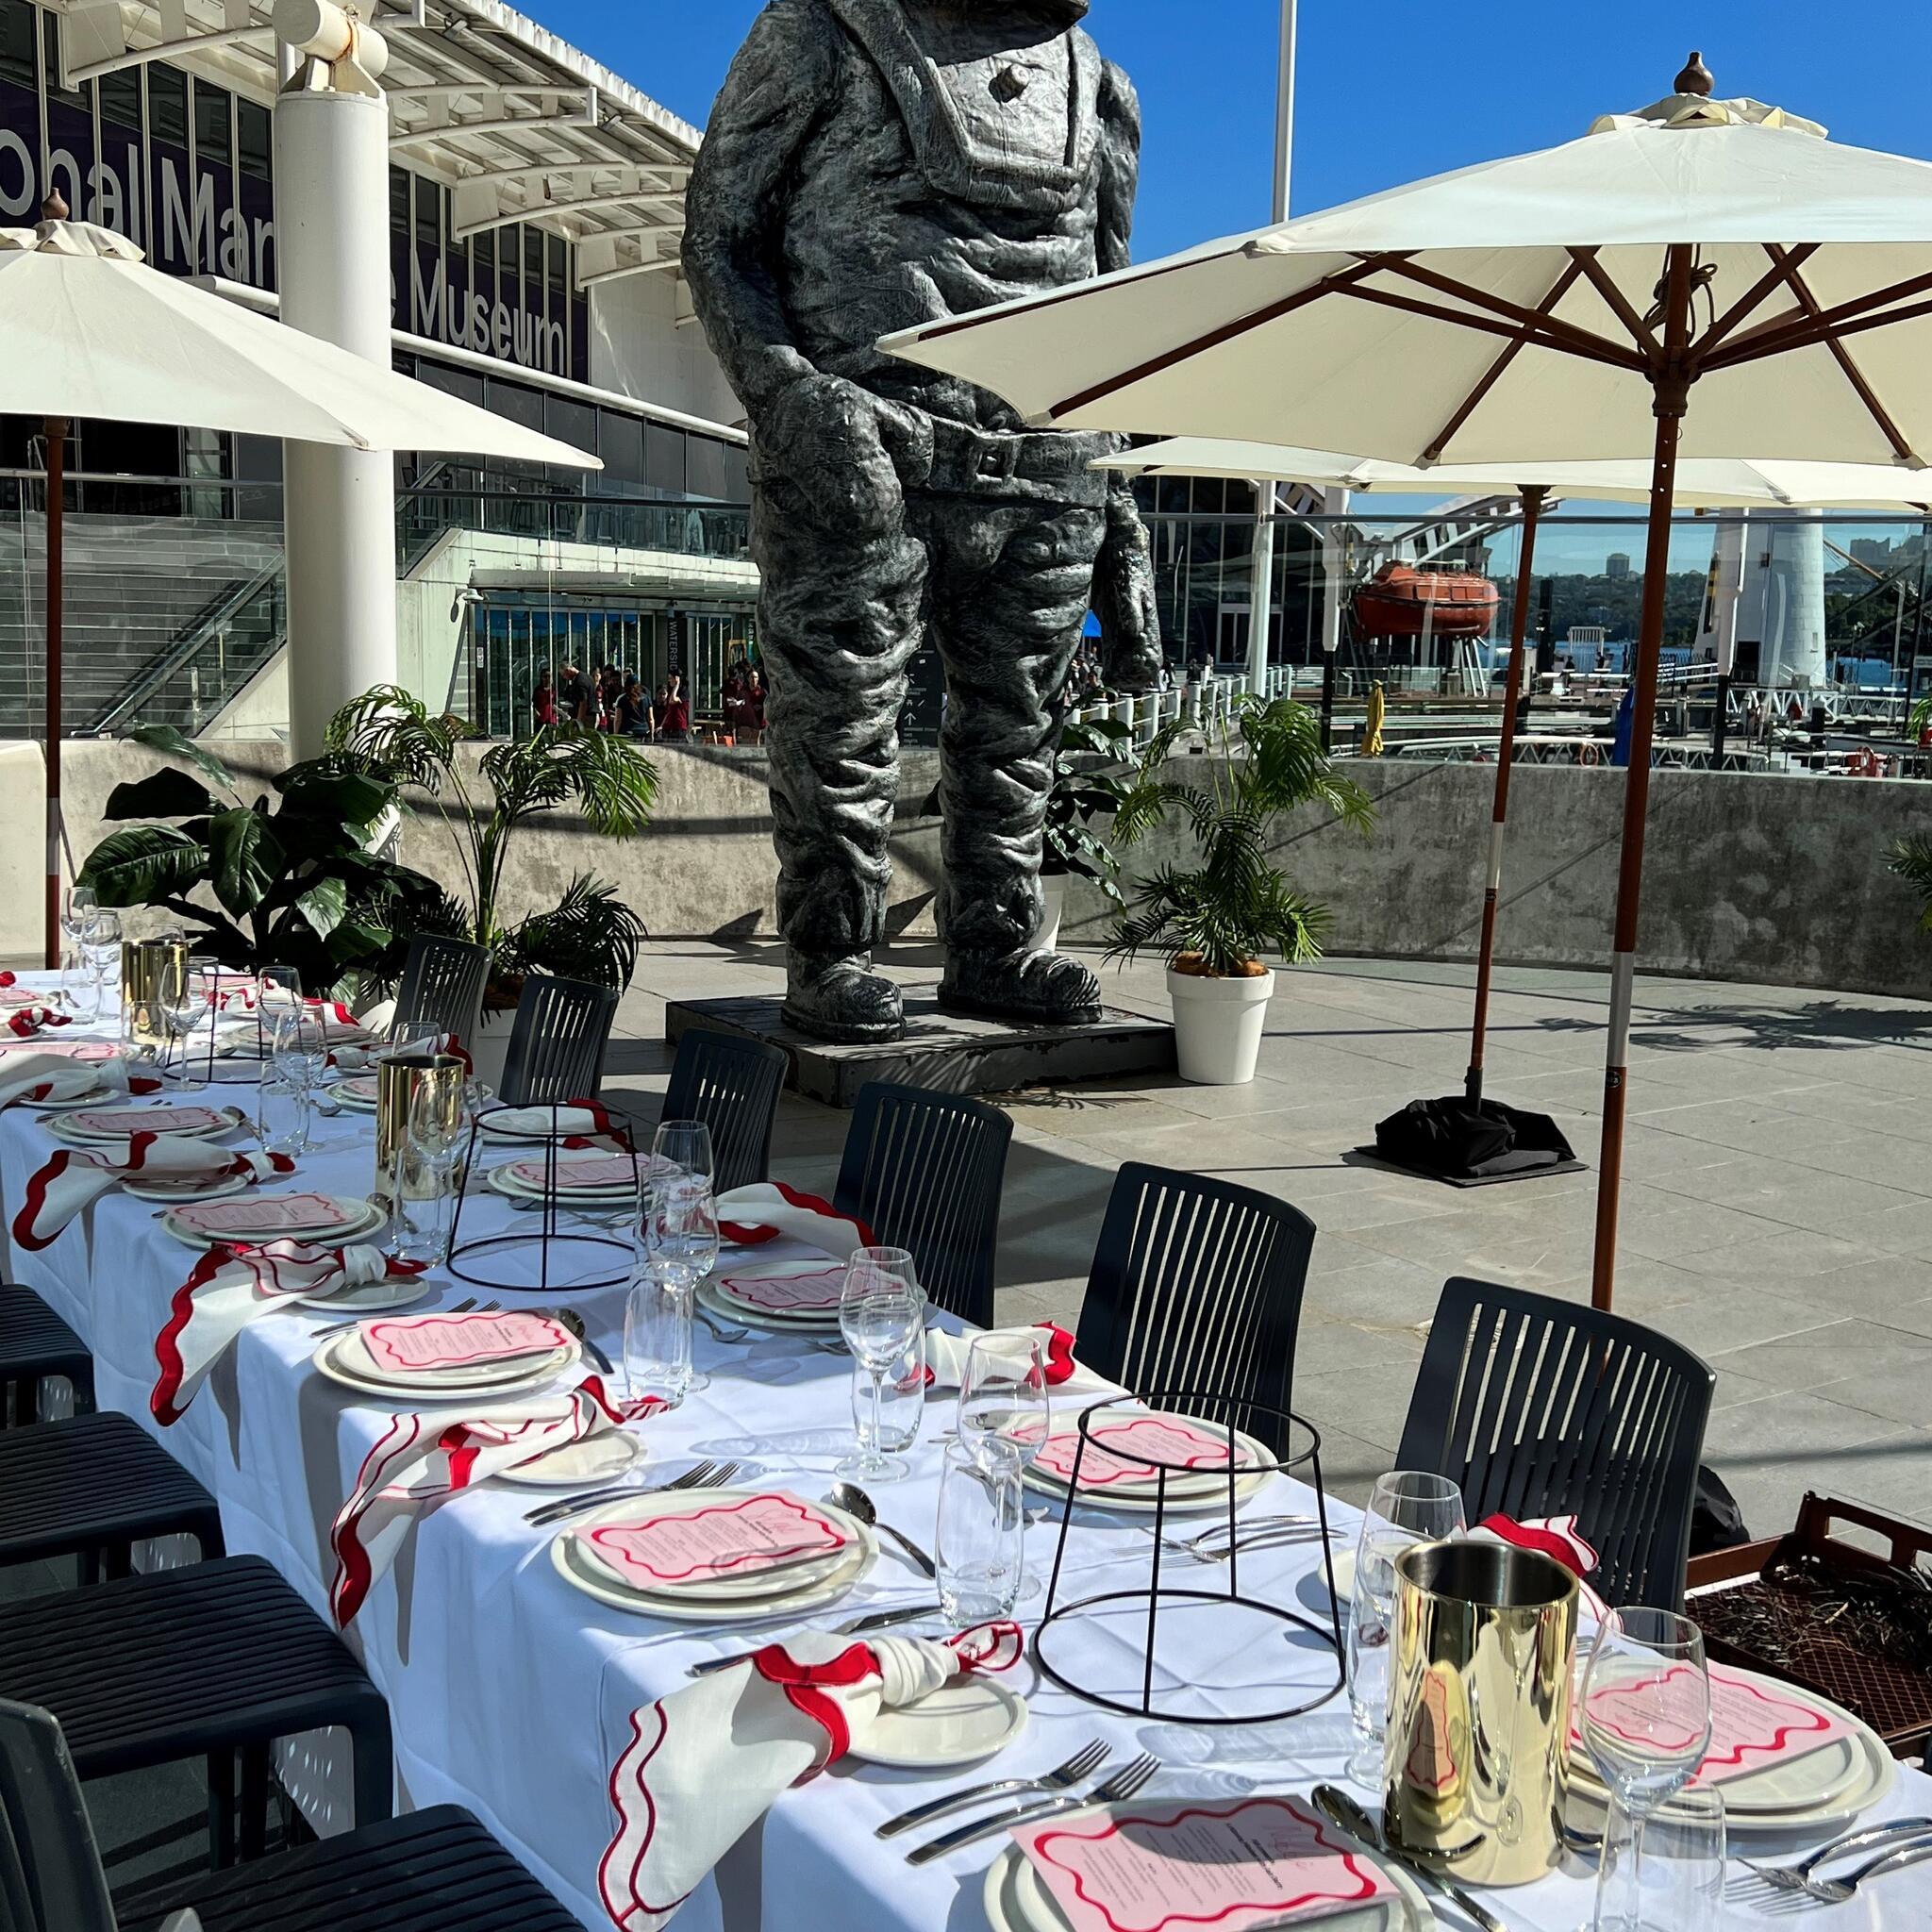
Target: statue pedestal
947 1052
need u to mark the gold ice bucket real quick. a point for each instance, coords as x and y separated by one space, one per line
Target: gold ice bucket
144 967
398 1077
1478 1765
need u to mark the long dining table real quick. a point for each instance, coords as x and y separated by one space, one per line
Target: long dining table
511 1693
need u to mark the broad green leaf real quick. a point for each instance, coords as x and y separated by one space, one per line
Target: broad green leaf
324 905
163 795
244 860
351 798
143 866
165 737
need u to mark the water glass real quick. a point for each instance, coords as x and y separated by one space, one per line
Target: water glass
1645 1719
1406 1507
80 980
281 1114
881 1314
979 1546
186 991
680 1240
425 1192
1005 1411
658 1338
298 1046
902 1403
78 907
1665 1871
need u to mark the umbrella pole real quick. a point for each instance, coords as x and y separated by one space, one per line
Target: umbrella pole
57 505
1505 759
1671 388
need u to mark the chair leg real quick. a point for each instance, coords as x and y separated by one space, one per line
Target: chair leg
254 1795
374 1775
221 1809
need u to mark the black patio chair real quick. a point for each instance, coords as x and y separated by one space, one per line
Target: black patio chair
1539 1407
557 1042
35 1343
924 1171
731 1083
218 1662
442 986
435 1870
1196 1285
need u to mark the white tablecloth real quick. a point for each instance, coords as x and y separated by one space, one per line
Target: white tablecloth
511 1692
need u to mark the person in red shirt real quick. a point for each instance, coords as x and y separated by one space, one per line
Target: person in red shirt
673 715
543 700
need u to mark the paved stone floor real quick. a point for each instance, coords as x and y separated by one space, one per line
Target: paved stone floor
1777 1209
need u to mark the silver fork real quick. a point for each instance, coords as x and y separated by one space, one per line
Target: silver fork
1835 1891
707 1475
1083 1763
1797 1877
1266 1531
466 1306
1125 1784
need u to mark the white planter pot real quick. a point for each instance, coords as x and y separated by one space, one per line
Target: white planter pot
491 1048
1218 1026
1047 934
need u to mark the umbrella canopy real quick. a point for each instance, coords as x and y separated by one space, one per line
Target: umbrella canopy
1701 483
87 328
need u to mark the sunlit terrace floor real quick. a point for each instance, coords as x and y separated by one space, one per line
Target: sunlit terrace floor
1777 1209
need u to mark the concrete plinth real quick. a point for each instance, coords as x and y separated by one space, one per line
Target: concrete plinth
943 1051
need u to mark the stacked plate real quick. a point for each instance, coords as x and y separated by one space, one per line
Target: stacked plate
783 1296
327 1219
1786 1759
448 1357
357 1093
715 1556
92 1125
1114 1477
582 1180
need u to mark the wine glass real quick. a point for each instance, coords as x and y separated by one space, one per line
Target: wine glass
436 1132
276 989
684 1145
1006 1409
1406 1507
1645 1720
78 907
681 1241
298 1046
881 1310
186 988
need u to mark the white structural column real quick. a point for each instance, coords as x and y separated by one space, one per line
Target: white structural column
331 167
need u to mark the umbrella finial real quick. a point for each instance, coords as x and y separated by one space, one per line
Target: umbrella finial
1696 78
55 208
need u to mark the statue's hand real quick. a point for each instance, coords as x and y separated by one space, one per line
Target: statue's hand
1124 602
845 450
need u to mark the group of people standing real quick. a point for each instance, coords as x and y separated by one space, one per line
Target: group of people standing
612 699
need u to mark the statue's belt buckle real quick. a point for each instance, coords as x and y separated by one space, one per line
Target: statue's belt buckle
998 461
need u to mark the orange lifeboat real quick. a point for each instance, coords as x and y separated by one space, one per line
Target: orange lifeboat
1400 601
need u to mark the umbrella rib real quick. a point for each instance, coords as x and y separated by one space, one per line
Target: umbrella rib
1229 332
1485 324
1794 329
1152 272
1496 369
1840 355
1750 302
1618 303
1563 334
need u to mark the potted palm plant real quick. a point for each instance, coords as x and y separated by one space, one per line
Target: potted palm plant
1217 920
1088 784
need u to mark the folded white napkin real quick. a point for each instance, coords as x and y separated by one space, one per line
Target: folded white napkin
708 1762
76 1177
1554 1536
770 1211
946 1353
232 1287
417 1460
582 1121
34 1079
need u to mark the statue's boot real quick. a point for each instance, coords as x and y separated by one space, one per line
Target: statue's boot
841 1000
1048 988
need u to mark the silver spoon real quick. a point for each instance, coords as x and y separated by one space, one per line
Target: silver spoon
856 1503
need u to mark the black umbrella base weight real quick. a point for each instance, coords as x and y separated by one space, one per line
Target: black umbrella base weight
1466 1143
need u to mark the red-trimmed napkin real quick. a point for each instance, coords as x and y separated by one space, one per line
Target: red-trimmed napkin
231 1287
25 1021
1557 1536
419 1460
75 1177
946 1353
582 1122
706 1763
32 1080
1235 1864
351 1058
770 1211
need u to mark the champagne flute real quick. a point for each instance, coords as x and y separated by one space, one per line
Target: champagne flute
881 1310
437 1131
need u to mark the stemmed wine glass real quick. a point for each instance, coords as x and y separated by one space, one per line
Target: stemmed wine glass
881 1310
681 1247
78 909
186 991
1006 1409
438 1131
1645 1720
684 1147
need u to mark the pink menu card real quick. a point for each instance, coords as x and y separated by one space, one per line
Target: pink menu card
613 1171
272 1214
722 1539
1111 1463
1754 1724
459 1342
65 1049
819 1289
1236 1866
149 1119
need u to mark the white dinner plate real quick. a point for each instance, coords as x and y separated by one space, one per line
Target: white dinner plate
753 1318
343 1234
144 1119
499 1181
737 1306
358 1093
963 1721
1016 1901
184 1194
374 1297
329 1361
601 1458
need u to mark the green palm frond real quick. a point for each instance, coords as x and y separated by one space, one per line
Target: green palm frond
1911 859
1922 716
390 734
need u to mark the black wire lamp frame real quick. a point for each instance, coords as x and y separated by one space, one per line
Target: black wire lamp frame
1304 1454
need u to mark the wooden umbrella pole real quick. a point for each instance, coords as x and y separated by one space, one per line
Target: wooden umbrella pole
57 493
1671 384
1506 761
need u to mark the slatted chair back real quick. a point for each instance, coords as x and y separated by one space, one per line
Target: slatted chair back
50 1868
557 1042
924 1171
731 1083
443 981
1540 1408
1197 1284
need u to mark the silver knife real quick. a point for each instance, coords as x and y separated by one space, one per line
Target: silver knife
1342 1810
858 1627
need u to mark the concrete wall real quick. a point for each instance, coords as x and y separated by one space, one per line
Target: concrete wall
1768 879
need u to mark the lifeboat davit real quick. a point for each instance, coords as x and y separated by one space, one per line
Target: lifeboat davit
1400 601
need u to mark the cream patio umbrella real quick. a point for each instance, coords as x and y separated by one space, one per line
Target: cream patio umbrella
88 329
1701 483
1563 303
